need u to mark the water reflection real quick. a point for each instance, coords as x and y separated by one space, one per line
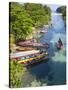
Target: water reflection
52 72
40 71
58 73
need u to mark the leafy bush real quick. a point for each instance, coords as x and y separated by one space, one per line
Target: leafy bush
37 83
62 10
15 73
25 16
38 13
20 23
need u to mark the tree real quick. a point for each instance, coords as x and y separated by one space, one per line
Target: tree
16 71
62 10
20 23
25 16
38 13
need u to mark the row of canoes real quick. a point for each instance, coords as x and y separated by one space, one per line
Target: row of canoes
33 58
29 43
29 57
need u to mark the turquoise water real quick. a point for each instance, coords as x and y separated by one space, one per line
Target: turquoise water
52 72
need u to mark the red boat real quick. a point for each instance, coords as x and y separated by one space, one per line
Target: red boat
59 45
29 57
33 44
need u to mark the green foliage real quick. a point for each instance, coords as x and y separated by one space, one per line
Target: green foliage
38 13
15 72
25 16
37 83
20 23
62 10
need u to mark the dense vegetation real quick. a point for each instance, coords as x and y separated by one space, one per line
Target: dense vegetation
39 14
62 10
25 16
15 72
20 23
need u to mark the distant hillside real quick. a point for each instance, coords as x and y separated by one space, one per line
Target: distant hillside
62 10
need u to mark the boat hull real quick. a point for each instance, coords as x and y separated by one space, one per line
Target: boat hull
59 46
35 61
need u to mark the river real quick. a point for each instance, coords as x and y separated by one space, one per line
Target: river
52 72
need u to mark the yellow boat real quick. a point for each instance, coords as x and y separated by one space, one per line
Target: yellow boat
30 59
25 49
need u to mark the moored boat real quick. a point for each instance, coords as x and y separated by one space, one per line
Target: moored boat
18 55
29 43
25 49
30 57
59 45
27 60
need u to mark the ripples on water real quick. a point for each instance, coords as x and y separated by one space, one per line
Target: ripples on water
54 71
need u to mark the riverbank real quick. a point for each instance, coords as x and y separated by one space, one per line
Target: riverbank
52 72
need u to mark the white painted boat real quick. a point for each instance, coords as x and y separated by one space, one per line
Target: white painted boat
24 53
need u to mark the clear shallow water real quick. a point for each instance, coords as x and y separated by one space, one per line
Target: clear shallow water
54 71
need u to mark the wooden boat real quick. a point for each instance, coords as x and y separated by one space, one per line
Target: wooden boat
33 59
18 55
29 43
59 45
25 49
29 56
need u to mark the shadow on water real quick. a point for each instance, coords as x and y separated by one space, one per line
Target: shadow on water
58 74
54 73
52 49
40 70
